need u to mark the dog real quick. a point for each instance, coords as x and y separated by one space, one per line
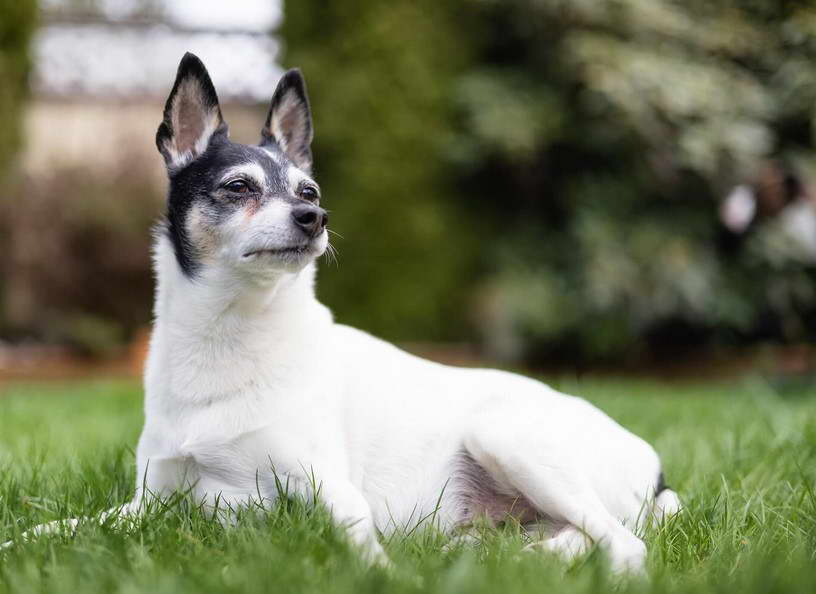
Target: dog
250 382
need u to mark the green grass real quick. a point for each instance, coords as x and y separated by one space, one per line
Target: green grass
741 456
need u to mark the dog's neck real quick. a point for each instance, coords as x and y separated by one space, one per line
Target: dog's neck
218 325
217 298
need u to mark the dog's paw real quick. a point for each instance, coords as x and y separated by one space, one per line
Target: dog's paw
628 557
568 544
374 556
666 505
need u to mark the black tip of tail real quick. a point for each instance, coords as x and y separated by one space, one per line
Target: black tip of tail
661 484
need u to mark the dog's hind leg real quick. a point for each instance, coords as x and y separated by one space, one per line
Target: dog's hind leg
556 488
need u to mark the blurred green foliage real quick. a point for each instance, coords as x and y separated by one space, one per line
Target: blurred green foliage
380 77
80 255
547 173
16 27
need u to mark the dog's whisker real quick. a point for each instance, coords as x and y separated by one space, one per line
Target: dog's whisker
332 254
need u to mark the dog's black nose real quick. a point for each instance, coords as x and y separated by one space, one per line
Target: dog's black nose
310 218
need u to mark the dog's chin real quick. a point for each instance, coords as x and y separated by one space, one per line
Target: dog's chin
287 257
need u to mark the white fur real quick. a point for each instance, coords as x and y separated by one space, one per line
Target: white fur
248 372
295 176
276 158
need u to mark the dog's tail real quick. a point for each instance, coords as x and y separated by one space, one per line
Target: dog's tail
69 525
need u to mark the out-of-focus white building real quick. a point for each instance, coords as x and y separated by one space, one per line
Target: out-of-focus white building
101 76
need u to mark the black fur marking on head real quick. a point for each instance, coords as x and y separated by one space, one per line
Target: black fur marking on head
289 121
197 184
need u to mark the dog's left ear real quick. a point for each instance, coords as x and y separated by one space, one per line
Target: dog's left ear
289 123
192 115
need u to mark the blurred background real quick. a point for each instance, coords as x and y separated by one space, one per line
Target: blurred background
558 184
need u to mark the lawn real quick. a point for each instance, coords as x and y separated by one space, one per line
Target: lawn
741 455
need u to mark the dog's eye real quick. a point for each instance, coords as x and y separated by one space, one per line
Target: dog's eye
309 193
238 186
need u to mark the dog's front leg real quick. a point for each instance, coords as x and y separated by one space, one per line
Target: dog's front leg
350 509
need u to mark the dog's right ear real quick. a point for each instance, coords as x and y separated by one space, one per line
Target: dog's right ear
289 122
192 116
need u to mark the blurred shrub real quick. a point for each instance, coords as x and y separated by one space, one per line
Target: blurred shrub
547 172
17 21
80 254
380 76
610 130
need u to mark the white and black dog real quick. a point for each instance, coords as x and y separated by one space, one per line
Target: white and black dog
249 379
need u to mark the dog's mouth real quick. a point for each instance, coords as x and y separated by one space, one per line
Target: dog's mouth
293 250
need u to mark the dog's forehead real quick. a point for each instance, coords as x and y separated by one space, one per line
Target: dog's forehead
254 161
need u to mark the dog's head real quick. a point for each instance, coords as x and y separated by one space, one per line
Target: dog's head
250 209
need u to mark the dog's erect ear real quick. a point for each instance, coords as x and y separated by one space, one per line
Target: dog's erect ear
192 116
289 123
